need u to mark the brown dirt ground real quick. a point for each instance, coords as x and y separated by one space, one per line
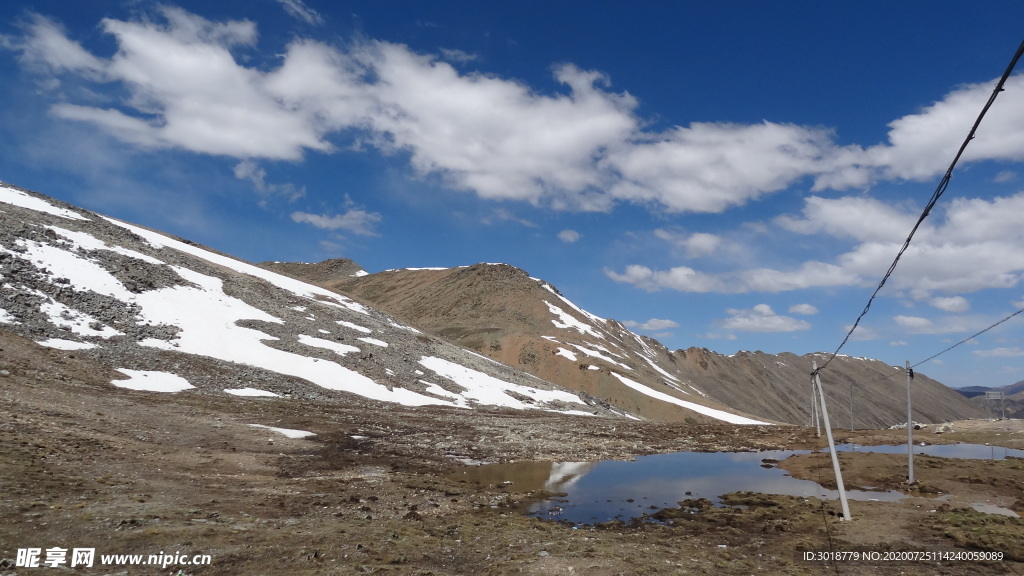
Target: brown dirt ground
85 464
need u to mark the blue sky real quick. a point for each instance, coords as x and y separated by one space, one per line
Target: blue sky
729 175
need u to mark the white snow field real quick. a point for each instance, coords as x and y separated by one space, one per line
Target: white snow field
152 381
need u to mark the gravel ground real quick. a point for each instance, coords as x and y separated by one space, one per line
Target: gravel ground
84 464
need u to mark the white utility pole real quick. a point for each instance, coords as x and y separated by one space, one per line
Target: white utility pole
910 430
816 383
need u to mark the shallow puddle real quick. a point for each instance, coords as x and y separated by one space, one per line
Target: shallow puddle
965 451
993 509
612 489
621 490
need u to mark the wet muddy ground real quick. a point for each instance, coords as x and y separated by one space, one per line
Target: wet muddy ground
85 464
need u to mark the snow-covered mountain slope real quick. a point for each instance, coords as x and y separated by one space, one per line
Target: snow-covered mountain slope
500 311
174 316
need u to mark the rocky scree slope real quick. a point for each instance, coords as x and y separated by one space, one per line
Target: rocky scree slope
170 315
500 311
779 385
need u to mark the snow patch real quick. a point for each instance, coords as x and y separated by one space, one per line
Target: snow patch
336 347
566 353
61 344
374 341
596 354
570 304
297 287
208 319
90 242
662 371
712 412
565 322
83 274
19 198
289 432
355 326
394 324
250 392
152 381
486 389
7 318
75 321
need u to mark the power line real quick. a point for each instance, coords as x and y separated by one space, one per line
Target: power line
899 371
968 338
939 190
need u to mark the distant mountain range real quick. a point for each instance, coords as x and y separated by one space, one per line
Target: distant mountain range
1015 389
166 314
1011 406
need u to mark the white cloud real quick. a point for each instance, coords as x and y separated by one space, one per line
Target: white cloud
569 236
709 167
915 324
455 55
506 215
862 333
251 171
953 304
966 246
922 145
186 90
695 245
45 48
943 325
680 278
762 318
803 309
581 148
1000 353
497 137
297 9
717 336
1005 176
652 324
355 221
898 343
686 279
856 217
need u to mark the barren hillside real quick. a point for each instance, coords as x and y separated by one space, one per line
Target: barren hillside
779 384
500 311
169 315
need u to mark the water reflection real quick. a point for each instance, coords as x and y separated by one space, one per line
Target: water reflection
529 476
611 489
965 451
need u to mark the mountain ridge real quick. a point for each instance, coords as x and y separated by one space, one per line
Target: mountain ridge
526 322
154 306
140 301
